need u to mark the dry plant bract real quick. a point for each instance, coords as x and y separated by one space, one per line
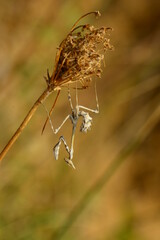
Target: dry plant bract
78 59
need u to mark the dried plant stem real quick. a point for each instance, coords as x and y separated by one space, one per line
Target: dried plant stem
26 120
50 112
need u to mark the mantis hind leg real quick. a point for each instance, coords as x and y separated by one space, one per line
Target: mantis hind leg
57 148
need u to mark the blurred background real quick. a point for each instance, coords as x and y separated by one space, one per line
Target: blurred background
41 198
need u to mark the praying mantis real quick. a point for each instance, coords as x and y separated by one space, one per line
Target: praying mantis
77 112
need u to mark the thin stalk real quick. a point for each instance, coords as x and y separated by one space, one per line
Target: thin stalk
97 13
51 110
26 120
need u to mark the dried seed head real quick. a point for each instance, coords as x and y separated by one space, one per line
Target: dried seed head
80 55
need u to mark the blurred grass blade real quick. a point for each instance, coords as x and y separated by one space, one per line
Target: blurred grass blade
109 172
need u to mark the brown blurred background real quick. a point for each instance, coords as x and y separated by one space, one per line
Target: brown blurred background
37 193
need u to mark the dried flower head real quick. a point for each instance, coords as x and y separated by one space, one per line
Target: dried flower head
80 55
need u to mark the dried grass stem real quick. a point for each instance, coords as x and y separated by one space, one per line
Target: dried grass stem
26 120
